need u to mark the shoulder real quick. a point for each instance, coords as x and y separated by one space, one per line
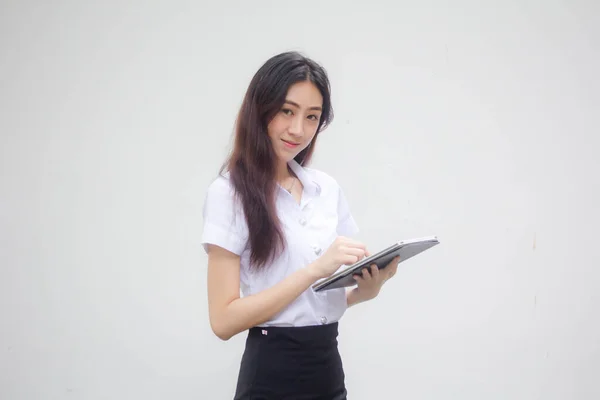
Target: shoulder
325 181
221 186
221 196
223 220
335 197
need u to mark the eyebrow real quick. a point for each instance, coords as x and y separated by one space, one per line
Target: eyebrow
297 105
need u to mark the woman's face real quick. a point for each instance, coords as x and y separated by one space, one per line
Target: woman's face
295 125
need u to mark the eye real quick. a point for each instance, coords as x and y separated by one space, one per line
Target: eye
286 111
313 117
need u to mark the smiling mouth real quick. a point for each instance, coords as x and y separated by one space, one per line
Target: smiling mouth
292 144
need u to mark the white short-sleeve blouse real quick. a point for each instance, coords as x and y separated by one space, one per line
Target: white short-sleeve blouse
309 228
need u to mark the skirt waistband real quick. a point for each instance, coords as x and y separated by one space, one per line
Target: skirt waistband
312 335
304 330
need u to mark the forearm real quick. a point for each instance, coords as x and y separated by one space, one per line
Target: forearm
351 297
354 297
246 312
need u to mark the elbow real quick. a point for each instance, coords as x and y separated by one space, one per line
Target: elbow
221 331
223 335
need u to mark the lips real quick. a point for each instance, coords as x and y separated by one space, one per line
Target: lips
290 144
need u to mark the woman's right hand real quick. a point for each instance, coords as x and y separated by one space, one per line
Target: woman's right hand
343 251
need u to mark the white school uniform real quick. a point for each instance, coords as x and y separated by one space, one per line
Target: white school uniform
309 228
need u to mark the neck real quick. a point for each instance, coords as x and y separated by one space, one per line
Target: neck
282 171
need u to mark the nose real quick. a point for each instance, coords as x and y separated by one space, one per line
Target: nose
296 127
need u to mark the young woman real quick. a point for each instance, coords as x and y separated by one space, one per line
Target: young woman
272 228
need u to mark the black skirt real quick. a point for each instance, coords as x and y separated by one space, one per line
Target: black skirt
291 363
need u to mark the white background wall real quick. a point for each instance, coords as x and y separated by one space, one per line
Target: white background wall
475 121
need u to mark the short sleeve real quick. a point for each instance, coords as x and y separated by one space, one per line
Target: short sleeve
224 223
346 224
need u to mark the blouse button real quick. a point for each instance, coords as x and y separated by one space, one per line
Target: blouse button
302 221
323 320
317 250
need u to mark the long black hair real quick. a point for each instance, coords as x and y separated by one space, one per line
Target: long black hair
251 163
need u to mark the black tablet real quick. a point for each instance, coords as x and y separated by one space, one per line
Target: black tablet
405 249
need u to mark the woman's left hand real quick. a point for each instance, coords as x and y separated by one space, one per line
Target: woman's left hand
370 283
